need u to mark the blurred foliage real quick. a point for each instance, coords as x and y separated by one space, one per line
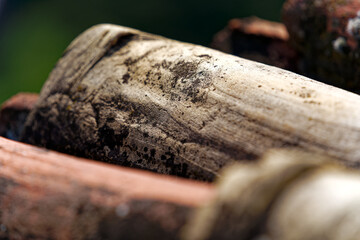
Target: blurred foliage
34 33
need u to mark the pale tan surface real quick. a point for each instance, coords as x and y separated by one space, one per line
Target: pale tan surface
197 108
287 195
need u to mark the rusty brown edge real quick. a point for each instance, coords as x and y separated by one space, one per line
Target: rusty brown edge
45 194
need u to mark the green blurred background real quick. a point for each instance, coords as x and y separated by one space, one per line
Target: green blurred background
34 33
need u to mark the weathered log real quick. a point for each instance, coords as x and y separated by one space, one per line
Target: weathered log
48 195
131 98
287 195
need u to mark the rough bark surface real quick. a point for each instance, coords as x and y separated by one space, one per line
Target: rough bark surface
122 96
13 114
258 40
48 195
287 195
326 33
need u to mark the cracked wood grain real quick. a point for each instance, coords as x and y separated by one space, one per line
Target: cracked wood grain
123 96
